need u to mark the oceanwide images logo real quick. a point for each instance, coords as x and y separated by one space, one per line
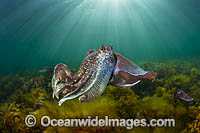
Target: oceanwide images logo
46 121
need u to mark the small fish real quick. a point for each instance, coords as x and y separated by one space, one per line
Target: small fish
182 96
46 69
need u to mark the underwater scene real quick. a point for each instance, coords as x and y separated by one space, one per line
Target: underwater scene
78 59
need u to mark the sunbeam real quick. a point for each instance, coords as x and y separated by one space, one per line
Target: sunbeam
49 29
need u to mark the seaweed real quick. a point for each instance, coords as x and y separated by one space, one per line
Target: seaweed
22 94
127 101
194 127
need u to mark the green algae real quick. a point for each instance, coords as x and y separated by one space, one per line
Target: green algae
23 95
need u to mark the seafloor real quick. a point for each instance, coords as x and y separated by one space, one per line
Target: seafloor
31 93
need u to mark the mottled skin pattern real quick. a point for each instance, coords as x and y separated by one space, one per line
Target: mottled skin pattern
98 69
63 73
97 80
104 68
73 77
79 81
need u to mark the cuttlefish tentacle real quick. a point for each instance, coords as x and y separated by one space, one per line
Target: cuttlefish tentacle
99 78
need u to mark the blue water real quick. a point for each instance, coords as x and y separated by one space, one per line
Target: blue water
36 33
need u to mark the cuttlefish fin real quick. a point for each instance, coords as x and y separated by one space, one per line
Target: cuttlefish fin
125 79
149 75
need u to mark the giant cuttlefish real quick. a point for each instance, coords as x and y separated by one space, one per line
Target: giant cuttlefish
98 69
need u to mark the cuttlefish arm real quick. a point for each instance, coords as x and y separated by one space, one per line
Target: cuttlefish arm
75 87
62 72
64 80
101 73
127 73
